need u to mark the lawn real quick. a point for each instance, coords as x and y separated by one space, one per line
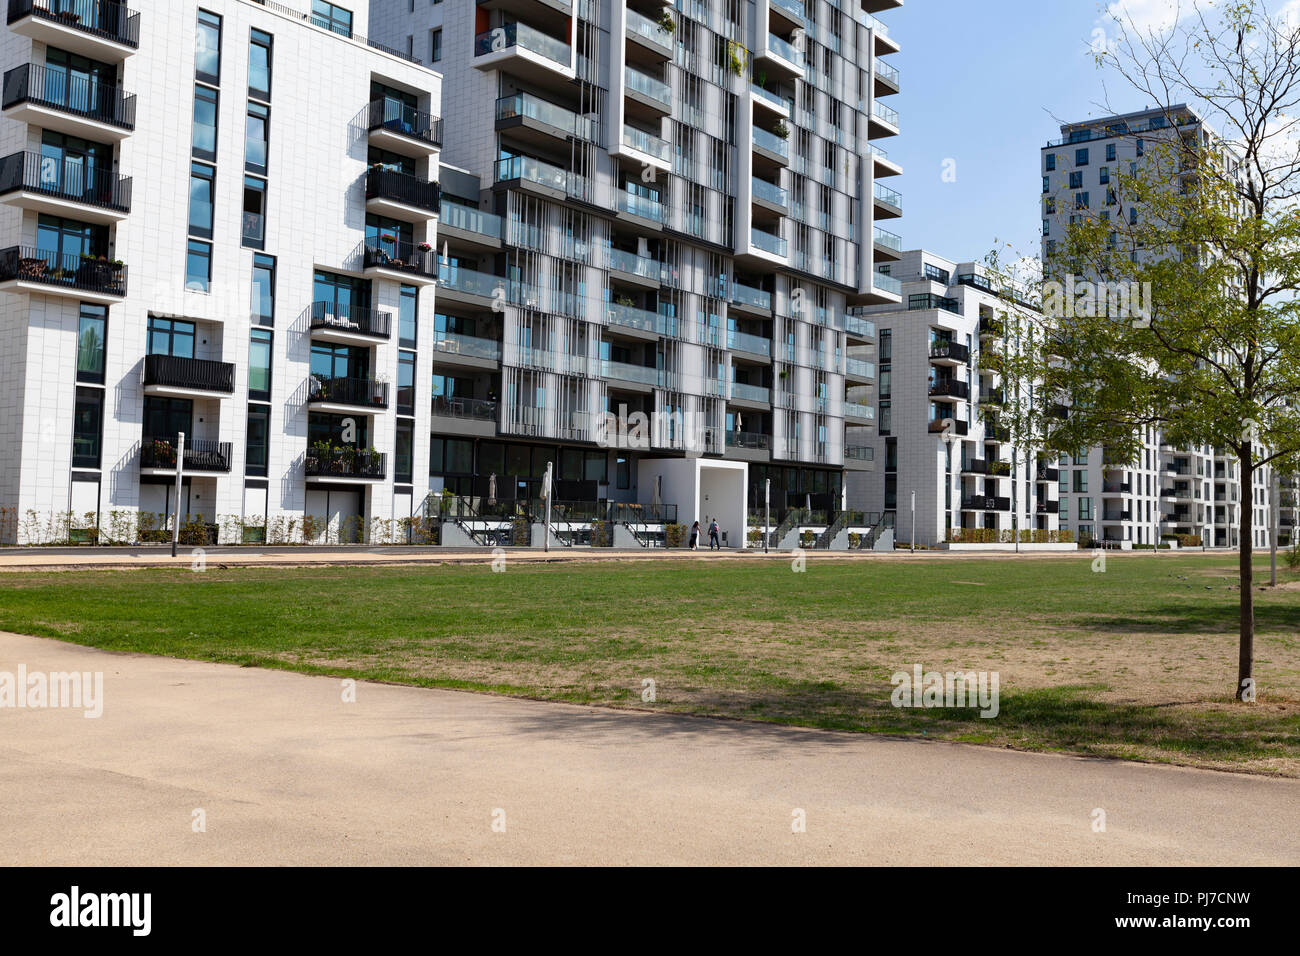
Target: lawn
1136 662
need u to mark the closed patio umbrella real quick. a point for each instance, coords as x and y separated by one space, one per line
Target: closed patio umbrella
492 488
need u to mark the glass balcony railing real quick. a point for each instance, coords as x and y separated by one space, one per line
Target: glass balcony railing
457 216
784 50
751 393
629 316
770 192
469 281
647 143
452 343
767 242
883 112
633 264
891 196
643 26
657 90
757 344
859 369
859 411
642 206
748 295
862 328
533 107
885 71
793 7
886 283
771 142
532 170
526 38
772 98
642 374
889 240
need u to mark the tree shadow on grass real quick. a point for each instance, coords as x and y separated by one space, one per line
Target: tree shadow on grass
1194 618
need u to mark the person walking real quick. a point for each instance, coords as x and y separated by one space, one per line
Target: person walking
695 535
713 536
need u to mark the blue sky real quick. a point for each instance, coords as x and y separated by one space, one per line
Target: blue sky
981 84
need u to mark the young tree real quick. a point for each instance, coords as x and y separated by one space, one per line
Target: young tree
1187 326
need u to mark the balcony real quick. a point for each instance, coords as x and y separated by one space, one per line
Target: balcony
393 193
345 463
159 455
949 388
467 349
647 149
771 146
63 188
997 434
346 394
975 466
649 36
468 286
754 394
637 374
467 225
766 99
654 94
859 412
94 28
746 298
752 440
888 202
180 377
888 245
526 52
949 353
886 283
791 10
402 128
756 345
939 425
770 196
985 503
1047 508
887 78
536 120
992 396
533 175
53 100
31 270
882 121
648 211
399 259
859 370
1116 516
782 54
859 328
999 469
1044 473
353 325
860 457
640 270
629 317
1116 487
768 243
479 412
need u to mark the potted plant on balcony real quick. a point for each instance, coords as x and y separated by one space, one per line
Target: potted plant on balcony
781 130
666 22
425 247
164 455
317 455
377 388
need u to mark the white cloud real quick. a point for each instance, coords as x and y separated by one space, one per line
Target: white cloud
1145 15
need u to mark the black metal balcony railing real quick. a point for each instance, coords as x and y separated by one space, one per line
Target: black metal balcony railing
992 396
1044 473
985 503
949 350
55 89
999 469
958 427
354 320
977 466
413 258
403 188
754 440
343 461
112 21
859 453
397 117
474 409
51 176
365 392
173 371
1117 516
997 433
83 273
1116 487
950 388
200 454
1047 508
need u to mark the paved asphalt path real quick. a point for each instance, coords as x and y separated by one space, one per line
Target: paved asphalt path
285 771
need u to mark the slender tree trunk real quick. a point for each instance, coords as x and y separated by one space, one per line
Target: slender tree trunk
1246 651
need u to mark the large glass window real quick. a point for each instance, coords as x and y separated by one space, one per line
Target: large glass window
171 337
204 144
329 360
331 16
340 294
254 228
202 190
259 365
407 316
76 167
87 427
258 440
70 239
262 307
402 452
76 82
92 334
167 417
198 266
406 383
207 48
257 134
259 65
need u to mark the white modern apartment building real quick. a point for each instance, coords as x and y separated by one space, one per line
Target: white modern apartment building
1193 491
939 435
660 210
218 220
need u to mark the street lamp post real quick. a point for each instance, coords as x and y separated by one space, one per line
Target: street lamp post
176 511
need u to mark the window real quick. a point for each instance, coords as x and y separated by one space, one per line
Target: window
86 427
1110 152
1063 510
408 317
1051 162
205 123
257 442
1080 481
202 188
91 335
166 418
1085 509
1047 227
1080 200
403 464
340 295
207 48
1105 175
1081 157
435 45
937 274
1132 215
259 65
198 266
1049 205
1076 180
257 135
332 17
1141 148
406 383
262 307
254 228
171 337
1063 480
259 365
1047 184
